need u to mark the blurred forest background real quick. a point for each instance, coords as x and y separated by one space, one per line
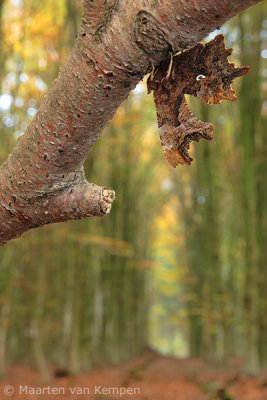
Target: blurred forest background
180 263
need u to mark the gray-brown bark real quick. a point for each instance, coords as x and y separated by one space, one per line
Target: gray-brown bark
43 180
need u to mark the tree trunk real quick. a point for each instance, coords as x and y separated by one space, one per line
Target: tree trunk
5 309
74 364
250 110
37 321
43 180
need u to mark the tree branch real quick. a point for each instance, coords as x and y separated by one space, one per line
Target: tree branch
43 179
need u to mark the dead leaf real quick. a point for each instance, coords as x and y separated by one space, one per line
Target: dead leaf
204 72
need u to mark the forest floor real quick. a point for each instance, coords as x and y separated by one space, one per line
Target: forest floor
151 377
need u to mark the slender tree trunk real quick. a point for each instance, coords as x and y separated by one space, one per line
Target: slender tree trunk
74 349
209 196
5 313
262 240
74 346
37 321
249 116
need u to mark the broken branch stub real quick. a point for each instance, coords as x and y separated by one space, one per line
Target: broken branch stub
204 72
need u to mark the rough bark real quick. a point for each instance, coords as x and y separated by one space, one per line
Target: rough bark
119 41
